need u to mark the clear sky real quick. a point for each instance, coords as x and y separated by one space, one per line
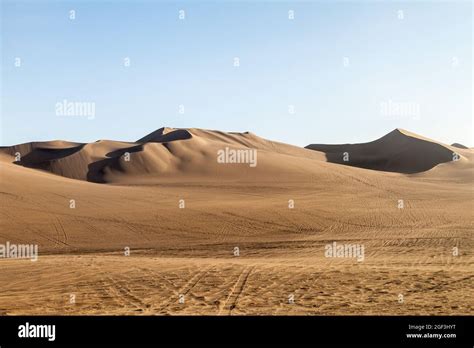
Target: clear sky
351 71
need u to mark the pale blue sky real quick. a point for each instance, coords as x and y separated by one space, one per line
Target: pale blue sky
422 60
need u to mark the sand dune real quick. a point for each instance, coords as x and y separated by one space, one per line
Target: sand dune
399 151
460 146
164 153
170 152
182 214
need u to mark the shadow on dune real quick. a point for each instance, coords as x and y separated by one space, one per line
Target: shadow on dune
41 158
96 169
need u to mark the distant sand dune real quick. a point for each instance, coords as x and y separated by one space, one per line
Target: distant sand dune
461 146
399 151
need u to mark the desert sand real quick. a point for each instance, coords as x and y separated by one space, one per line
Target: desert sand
210 238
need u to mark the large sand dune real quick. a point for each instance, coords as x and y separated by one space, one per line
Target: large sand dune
182 214
399 151
162 154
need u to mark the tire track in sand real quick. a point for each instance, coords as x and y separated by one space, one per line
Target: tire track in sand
231 301
186 288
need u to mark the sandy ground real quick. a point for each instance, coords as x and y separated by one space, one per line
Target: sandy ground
183 260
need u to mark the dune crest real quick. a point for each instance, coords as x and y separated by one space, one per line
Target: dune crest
166 134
